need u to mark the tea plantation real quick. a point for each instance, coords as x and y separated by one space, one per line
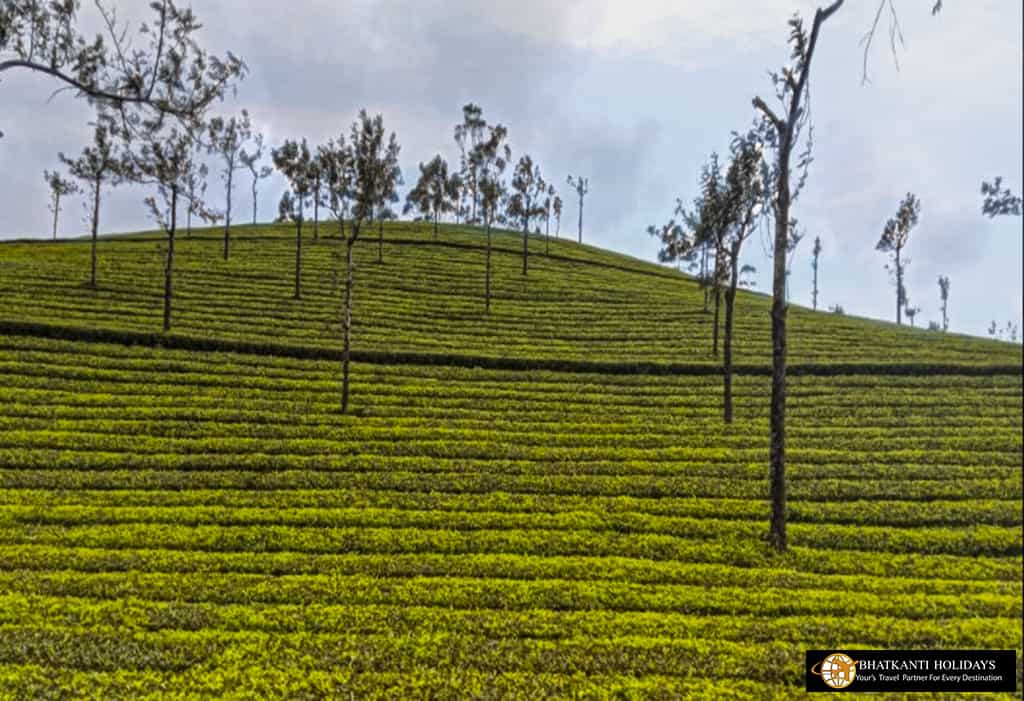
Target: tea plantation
543 503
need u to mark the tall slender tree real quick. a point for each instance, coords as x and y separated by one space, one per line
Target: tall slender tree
316 178
369 165
944 296
60 187
582 186
102 163
251 160
164 162
549 200
295 162
196 176
468 136
390 178
336 163
526 204
556 206
793 88
492 156
816 251
741 205
228 138
894 239
431 194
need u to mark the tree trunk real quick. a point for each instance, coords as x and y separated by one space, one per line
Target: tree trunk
487 278
777 414
56 213
526 251
255 203
704 275
899 290
347 322
316 211
547 237
380 240
730 303
436 223
815 300
298 257
227 217
95 230
581 219
169 266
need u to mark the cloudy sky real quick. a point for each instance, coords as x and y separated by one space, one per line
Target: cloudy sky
635 95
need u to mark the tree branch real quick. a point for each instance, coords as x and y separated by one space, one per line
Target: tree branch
776 122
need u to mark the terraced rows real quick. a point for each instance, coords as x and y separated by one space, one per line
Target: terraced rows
428 299
185 524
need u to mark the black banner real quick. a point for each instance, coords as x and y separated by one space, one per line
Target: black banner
911 670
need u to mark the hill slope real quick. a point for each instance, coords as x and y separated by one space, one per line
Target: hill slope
182 524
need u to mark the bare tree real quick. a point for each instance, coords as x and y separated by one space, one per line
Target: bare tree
101 163
912 312
999 201
228 138
816 251
525 204
432 193
251 159
894 239
295 162
944 295
792 88
582 186
492 156
59 188
170 75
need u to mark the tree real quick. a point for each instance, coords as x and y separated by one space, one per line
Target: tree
336 167
894 239
1006 333
228 138
492 156
251 159
944 295
741 205
911 313
525 204
556 206
159 72
792 88
369 164
548 202
195 180
59 187
164 161
582 186
999 201
816 251
468 136
101 163
388 180
432 193
316 177
295 162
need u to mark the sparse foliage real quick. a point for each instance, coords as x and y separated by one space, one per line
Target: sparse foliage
294 161
159 71
60 187
228 138
816 251
432 193
999 201
526 203
582 186
894 239
944 296
492 157
251 160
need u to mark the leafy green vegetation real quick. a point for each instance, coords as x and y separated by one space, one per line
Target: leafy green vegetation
186 524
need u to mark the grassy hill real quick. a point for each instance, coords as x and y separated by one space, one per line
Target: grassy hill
182 523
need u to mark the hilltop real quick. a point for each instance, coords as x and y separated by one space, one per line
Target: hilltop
501 516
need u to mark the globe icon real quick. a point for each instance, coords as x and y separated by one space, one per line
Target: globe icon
837 670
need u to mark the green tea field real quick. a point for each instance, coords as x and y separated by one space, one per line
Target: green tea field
496 518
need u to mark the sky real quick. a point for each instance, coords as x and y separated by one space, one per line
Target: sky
635 96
